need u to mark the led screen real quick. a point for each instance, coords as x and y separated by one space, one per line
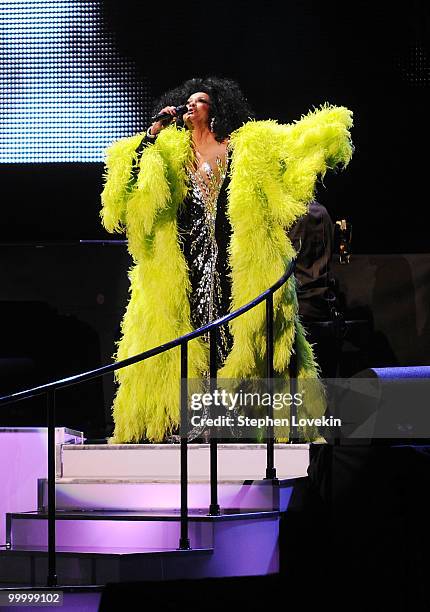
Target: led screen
66 91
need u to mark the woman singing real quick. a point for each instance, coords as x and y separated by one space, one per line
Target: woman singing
206 196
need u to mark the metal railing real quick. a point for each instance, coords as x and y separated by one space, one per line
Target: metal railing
210 329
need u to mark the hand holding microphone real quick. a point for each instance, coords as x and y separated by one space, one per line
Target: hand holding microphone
165 117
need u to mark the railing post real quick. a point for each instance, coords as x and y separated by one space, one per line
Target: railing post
184 541
270 440
214 509
293 437
52 571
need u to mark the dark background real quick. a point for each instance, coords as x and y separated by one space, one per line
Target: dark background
372 57
61 304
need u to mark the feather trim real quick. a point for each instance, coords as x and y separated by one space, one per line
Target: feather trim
274 171
119 159
147 401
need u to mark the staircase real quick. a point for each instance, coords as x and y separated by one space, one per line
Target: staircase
118 515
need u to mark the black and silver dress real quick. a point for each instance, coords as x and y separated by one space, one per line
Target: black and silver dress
204 234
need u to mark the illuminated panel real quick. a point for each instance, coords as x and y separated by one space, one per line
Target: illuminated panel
66 92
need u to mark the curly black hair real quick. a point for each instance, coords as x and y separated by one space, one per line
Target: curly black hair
229 107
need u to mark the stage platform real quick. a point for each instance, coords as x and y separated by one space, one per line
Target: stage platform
118 518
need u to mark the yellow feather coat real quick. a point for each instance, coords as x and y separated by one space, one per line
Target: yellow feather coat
274 169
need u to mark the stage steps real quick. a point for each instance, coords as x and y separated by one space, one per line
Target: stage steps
118 514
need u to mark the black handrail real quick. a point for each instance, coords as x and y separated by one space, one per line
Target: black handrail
211 328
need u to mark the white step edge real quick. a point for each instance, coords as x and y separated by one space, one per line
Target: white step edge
73 494
162 461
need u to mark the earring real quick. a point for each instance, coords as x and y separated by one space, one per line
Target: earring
212 124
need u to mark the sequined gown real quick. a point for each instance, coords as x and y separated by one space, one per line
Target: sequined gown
204 233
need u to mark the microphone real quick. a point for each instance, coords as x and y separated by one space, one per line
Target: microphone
180 110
